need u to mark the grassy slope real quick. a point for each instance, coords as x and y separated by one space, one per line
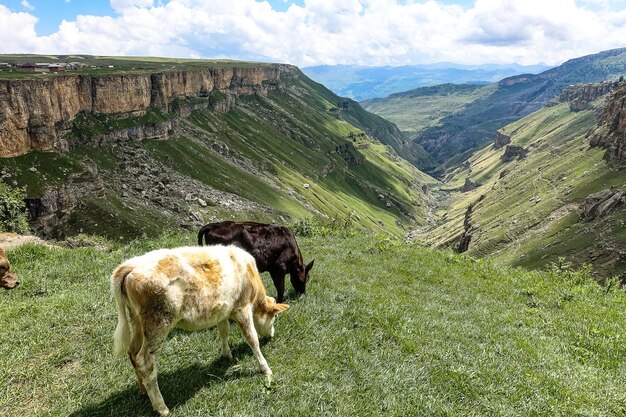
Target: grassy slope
422 108
561 171
290 137
386 329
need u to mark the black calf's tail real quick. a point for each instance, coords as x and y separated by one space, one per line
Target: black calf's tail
200 235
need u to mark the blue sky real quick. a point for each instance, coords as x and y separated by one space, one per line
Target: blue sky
313 32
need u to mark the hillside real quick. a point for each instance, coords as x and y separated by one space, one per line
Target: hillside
364 83
530 198
470 118
141 150
459 336
421 108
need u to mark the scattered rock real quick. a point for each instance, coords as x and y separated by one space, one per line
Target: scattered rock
600 204
306 186
32 169
468 186
502 139
512 152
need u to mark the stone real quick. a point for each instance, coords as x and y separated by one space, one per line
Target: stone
468 186
512 152
602 203
502 139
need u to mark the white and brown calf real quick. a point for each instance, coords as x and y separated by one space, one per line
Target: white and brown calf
190 288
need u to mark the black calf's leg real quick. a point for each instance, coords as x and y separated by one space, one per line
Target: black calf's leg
279 282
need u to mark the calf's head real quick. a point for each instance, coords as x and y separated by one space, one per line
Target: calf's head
7 279
265 316
301 277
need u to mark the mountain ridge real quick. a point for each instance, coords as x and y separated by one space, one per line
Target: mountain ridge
465 128
364 83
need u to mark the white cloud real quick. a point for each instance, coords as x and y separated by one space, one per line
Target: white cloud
367 32
122 5
27 5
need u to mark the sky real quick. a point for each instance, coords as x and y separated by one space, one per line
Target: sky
318 32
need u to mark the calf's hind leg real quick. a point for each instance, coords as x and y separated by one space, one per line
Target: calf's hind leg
136 341
223 327
146 366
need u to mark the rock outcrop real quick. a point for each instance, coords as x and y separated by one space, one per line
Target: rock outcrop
502 139
610 133
512 152
600 204
468 227
583 94
468 186
37 114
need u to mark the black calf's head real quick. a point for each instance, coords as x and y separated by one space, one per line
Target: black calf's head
300 278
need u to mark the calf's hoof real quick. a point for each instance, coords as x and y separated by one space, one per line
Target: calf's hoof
269 382
163 411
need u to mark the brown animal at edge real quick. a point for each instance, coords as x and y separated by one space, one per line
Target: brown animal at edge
7 279
191 288
273 247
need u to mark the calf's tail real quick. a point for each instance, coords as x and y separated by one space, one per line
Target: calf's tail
121 337
200 234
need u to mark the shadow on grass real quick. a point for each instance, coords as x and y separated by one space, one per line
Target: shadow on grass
176 386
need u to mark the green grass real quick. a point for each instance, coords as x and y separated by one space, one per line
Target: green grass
51 169
385 329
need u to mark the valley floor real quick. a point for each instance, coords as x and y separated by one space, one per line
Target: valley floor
385 329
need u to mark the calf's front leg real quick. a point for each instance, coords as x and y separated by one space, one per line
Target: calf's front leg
278 277
246 323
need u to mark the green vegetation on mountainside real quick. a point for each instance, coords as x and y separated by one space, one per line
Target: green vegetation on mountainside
298 152
530 209
385 329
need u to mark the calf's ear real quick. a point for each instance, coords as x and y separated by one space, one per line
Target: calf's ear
280 308
309 266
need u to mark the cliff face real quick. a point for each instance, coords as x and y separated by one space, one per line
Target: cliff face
610 133
36 114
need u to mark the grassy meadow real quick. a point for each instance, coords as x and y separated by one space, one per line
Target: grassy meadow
386 328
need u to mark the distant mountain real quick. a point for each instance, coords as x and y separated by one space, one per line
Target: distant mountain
471 116
541 194
361 83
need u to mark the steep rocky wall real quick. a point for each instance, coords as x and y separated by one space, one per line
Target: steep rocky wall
610 133
587 92
35 114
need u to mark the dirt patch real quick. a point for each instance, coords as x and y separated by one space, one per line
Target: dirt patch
12 240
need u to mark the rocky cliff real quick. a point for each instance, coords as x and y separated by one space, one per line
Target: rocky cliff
38 114
610 133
